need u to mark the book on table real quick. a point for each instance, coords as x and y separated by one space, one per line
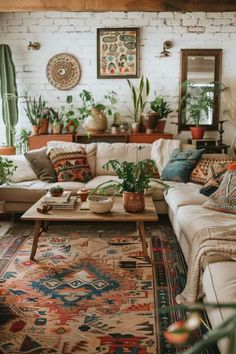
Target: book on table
72 203
64 198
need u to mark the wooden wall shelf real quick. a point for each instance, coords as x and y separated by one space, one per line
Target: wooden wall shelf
38 141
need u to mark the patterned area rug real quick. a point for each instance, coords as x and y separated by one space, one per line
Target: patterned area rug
88 294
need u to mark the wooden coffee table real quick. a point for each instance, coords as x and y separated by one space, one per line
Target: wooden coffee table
117 214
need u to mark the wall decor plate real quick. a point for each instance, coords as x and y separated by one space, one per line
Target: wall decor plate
63 71
117 53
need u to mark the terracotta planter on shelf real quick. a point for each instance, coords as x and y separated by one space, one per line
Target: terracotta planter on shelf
35 129
160 127
43 126
7 150
197 132
150 121
133 202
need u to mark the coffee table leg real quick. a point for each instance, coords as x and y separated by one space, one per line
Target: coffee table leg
37 227
141 229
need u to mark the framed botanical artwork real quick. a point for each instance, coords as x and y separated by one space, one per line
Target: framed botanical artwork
117 53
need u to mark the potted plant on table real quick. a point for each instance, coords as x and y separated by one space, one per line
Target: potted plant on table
197 102
135 178
153 120
139 95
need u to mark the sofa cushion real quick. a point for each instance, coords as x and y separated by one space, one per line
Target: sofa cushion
180 165
97 180
161 151
27 191
90 149
70 186
203 171
70 164
120 151
192 218
24 171
41 164
184 194
219 286
224 199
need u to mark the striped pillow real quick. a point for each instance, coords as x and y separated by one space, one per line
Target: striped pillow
70 164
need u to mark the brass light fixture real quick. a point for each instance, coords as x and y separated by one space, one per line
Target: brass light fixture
165 52
34 45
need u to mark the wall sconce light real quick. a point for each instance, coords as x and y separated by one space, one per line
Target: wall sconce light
34 45
165 52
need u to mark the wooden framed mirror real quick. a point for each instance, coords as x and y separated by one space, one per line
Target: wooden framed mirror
200 67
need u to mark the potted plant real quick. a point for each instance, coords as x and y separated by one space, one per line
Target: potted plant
22 142
55 121
138 97
134 178
7 169
92 113
197 102
72 120
153 120
35 111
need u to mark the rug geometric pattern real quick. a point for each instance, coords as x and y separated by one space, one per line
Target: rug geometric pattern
81 295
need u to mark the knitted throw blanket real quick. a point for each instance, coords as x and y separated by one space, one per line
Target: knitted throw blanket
212 241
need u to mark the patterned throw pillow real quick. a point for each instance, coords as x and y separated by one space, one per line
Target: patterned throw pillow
224 199
180 165
206 167
70 164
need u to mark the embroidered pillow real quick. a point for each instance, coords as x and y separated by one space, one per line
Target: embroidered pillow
206 166
70 164
180 165
224 199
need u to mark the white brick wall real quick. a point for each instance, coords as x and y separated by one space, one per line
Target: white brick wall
75 33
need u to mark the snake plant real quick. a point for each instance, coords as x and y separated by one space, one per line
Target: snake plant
8 93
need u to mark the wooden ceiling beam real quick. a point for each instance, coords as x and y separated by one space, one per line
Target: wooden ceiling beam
117 5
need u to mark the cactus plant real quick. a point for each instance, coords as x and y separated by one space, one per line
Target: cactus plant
8 93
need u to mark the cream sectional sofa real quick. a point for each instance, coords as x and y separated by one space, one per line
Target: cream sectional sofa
183 203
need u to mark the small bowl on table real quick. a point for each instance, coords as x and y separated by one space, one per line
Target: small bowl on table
100 204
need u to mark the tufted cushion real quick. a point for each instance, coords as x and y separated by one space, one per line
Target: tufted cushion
70 164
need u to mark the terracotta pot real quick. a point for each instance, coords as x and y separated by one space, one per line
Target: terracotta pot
56 129
7 150
71 127
133 202
150 121
197 132
160 127
35 129
43 126
83 193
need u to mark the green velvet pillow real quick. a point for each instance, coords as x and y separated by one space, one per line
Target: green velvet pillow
181 165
